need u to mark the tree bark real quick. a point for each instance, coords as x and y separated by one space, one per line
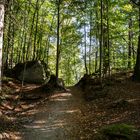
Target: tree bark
90 42
85 46
130 43
28 53
136 75
58 39
101 39
1 37
108 37
36 29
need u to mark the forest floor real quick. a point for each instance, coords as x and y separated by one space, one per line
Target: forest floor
65 115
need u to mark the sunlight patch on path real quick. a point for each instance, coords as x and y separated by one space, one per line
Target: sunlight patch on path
55 119
10 136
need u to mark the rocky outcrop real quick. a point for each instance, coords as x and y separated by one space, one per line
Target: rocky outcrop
32 72
92 87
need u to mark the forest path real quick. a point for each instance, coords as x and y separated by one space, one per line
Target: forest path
56 119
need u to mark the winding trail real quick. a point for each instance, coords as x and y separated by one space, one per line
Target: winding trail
56 119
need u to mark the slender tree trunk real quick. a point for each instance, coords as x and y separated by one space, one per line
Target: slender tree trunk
9 26
39 50
58 39
114 59
96 60
36 29
48 50
97 37
108 38
30 35
18 54
24 48
1 37
133 52
130 43
90 43
12 37
24 34
12 45
85 45
8 45
101 39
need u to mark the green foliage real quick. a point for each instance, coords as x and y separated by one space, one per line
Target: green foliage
30 33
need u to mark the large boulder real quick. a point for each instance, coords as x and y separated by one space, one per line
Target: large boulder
92 87
32 72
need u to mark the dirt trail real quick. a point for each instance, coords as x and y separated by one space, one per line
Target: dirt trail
56 119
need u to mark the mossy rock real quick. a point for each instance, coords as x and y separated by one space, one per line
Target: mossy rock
33 72
117 132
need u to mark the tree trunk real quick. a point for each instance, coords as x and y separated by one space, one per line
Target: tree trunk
96 60
28 53
12 46
1 36
130 43
97 67
25 34
36 29
101 39
58 39
85 58
136 75
108 37
90 43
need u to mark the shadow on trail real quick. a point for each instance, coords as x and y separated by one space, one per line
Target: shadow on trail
56 119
